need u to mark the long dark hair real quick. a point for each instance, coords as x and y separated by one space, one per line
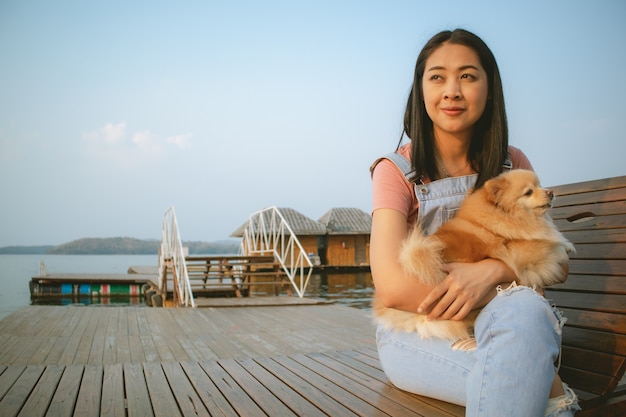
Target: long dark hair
489 147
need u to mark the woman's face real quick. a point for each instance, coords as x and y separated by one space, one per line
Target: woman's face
455 88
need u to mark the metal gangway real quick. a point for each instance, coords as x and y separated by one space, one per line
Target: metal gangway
172 256
267 232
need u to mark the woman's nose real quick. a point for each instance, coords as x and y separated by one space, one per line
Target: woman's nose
452 91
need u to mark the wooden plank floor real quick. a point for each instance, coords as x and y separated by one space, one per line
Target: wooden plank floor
244 361
257 301
81 335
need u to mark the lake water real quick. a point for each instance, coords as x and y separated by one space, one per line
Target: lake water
16 271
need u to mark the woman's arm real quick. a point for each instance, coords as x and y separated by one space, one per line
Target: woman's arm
470 286
393 286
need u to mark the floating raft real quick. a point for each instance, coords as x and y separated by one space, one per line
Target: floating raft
89 286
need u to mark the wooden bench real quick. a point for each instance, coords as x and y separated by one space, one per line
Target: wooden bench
592 215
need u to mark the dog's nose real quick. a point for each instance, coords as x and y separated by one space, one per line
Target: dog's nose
550 194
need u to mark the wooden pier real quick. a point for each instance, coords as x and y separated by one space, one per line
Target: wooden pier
261 360
209 276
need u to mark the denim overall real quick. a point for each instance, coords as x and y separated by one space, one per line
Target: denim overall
438 200
518 335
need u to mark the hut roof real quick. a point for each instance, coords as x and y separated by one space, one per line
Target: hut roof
298 222
347 221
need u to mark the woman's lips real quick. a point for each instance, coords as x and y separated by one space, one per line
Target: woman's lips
453 111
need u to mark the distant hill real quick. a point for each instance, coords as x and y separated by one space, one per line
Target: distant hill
120 246
25 250
107 246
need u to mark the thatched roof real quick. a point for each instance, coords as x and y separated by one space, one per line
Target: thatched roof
298 222
347 221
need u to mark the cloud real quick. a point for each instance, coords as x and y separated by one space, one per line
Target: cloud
146 142
113 133
182 141
110 134
113 142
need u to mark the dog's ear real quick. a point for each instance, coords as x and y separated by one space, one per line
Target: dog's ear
495 188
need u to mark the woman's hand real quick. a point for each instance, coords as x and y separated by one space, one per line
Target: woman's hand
468 286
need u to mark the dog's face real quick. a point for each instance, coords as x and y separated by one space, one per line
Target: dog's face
519 189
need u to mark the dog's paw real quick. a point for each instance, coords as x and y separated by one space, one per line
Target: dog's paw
466 345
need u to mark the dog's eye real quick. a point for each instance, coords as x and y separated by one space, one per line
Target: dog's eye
528 193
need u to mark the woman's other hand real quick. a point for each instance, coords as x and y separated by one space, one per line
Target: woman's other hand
468 286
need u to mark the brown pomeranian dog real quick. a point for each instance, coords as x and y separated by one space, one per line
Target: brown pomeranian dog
506 219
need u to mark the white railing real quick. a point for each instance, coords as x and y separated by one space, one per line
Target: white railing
267 232
173 253
43 269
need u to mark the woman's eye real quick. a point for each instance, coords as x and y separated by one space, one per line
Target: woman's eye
467 76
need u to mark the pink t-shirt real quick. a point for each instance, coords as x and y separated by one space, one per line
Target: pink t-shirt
390 188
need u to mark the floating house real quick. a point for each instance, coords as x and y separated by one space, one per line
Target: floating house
347 239
339 238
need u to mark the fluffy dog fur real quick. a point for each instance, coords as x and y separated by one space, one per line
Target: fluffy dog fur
506 219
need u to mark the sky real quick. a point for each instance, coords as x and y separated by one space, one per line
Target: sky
112 112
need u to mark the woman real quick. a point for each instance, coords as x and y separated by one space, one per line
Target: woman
456 120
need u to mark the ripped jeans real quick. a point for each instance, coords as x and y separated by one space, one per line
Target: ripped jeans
510 373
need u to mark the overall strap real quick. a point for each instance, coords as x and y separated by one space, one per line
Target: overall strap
403 164
508 164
